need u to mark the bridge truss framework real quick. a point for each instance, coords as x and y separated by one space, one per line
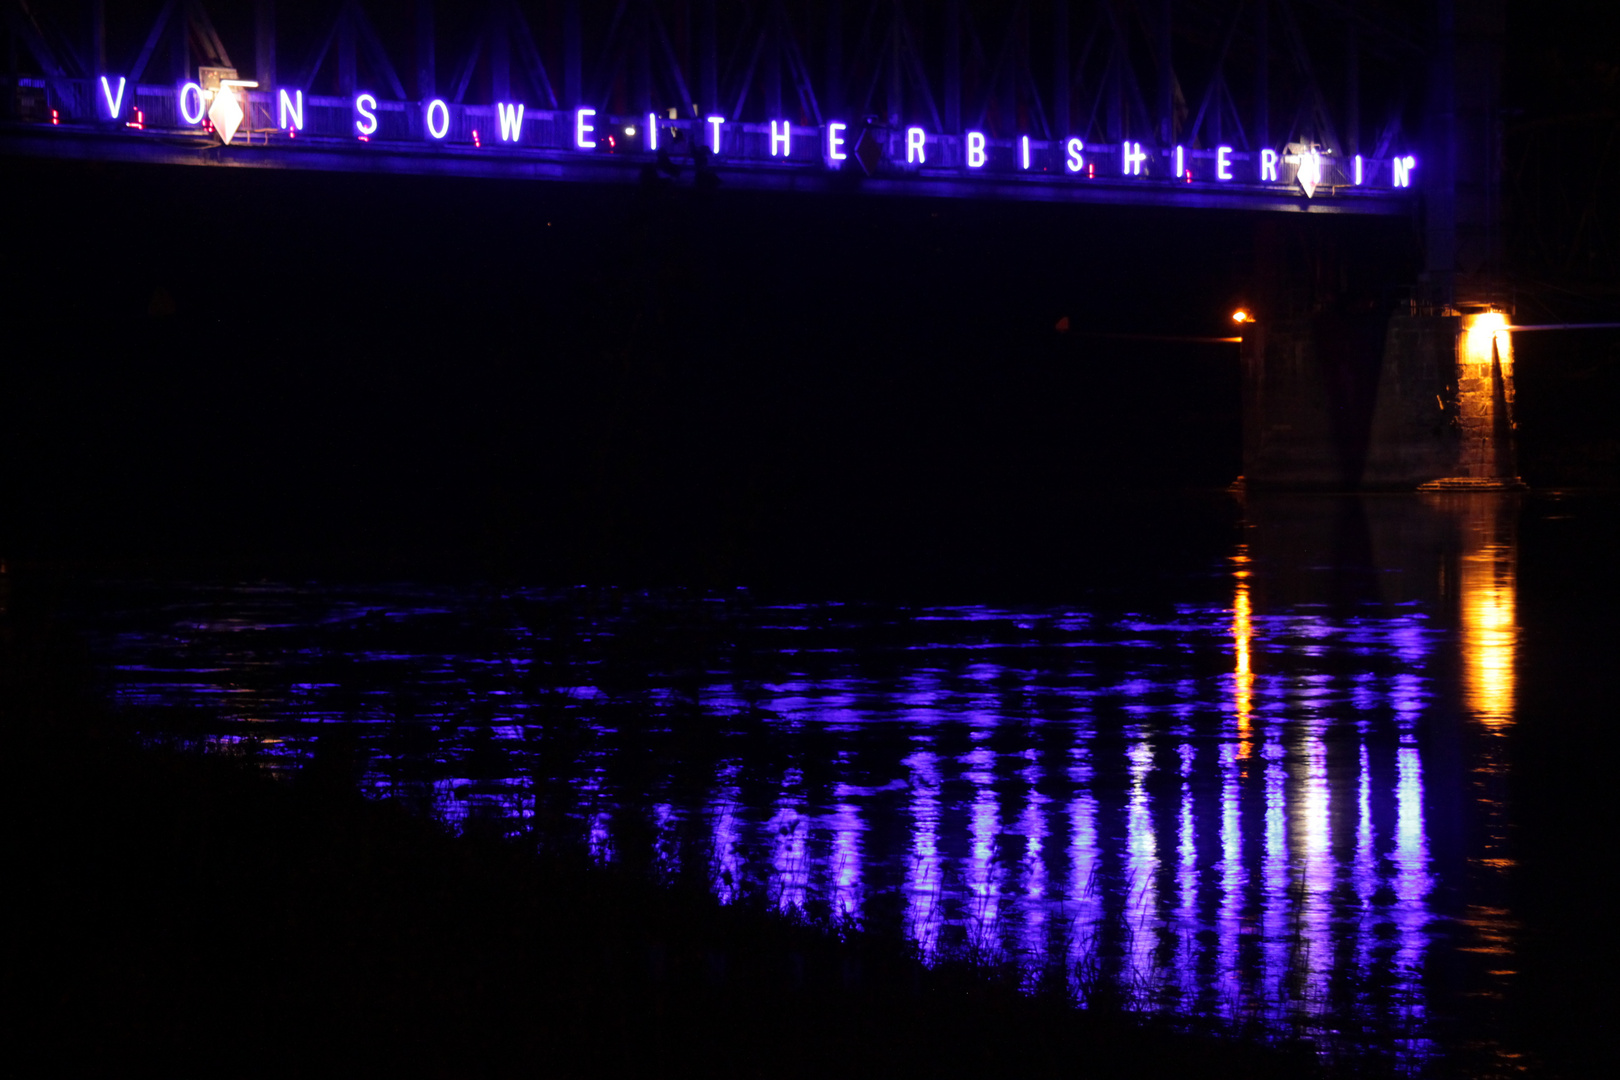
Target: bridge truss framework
1179 102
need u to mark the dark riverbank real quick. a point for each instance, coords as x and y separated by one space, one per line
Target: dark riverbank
191 914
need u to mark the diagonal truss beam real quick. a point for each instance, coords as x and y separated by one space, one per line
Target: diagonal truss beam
921 60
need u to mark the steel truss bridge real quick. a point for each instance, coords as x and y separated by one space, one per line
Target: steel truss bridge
1293 105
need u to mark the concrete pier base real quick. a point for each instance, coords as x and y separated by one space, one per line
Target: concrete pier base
1332 404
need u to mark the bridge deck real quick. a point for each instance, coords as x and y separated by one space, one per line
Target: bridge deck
347 155
546 146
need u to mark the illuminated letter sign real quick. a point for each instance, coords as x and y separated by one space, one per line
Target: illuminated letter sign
511 120
1268 165
916 143
652 131
291 107
1131 158
115 102
186 114
367 124
1023 151
1358 170
975 150
1076 162
1403 170
714 126
442 128
1223 163
834 141
782 139
582 129
1181 162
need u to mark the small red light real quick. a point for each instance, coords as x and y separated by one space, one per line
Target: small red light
1189 176
1091 172
475 139
55 119
365 138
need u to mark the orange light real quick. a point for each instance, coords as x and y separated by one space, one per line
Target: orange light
1243 644
1241 316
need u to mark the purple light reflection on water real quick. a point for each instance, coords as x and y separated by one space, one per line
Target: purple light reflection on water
1215 811
982 872
790 833
725 862
1276 910
1142 863
1228 989
924 883
1187 880
1084 906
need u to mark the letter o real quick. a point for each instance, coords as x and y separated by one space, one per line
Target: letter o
441 129
185 113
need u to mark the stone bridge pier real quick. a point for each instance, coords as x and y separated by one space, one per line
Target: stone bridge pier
1350 383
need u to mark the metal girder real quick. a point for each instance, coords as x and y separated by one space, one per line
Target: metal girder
912 61
503 32
192 31
24 22
351 29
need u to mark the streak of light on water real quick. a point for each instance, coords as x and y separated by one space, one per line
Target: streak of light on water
1218 811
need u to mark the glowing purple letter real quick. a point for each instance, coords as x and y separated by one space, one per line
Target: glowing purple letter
511 120
834 141
292 107
186 114
115 103
975 150
367 124
441 129
1131 158
1076 162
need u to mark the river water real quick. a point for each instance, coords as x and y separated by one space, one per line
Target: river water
1274 797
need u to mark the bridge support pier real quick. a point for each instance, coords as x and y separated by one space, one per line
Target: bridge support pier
1411 401
1338 394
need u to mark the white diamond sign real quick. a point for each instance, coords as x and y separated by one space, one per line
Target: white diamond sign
1309 173
225 113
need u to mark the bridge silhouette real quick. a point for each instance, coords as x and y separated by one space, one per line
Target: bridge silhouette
1279 107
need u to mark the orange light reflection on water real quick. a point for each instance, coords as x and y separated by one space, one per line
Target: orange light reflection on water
1242 642
1489 633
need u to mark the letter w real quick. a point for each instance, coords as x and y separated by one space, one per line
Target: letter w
511 120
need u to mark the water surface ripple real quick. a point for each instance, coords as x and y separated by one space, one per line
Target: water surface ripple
1232 810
